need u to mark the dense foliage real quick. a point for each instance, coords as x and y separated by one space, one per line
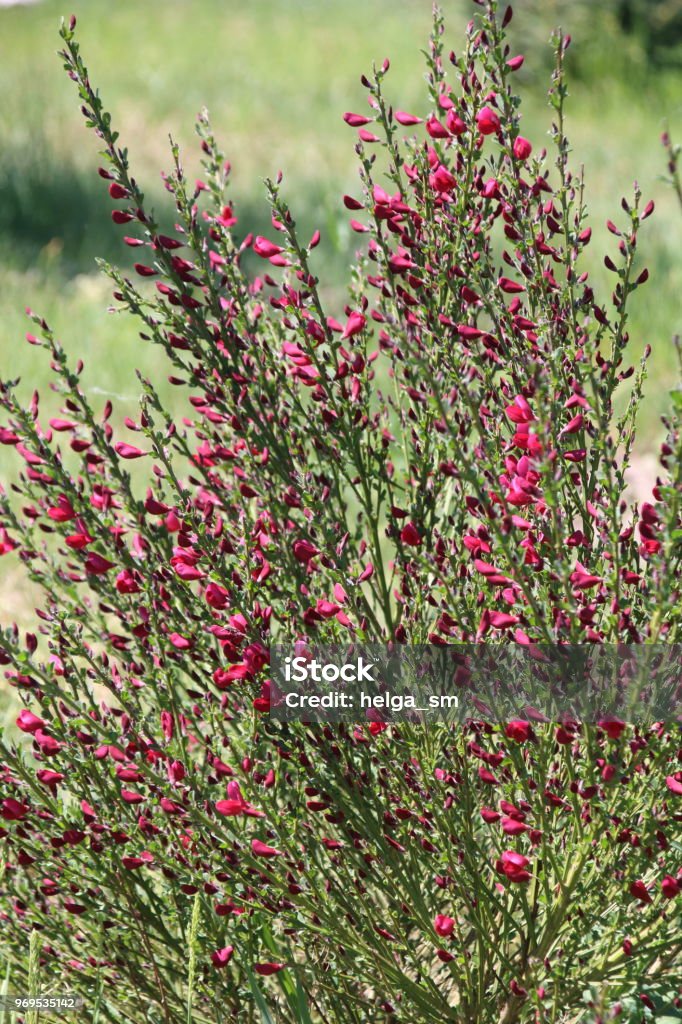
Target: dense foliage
441 461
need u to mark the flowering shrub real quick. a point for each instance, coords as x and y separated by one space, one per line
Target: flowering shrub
440 461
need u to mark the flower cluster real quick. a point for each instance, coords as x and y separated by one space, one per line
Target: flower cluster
437 460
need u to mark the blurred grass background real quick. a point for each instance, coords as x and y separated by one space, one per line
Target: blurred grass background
277 76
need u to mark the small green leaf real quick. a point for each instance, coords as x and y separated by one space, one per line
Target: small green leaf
301 1004
266 1016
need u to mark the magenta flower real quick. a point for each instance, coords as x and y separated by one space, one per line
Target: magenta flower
670 887
442 180
265 248
436 129
97 565
454 123
513 865
522 148
303 551
28 722
356 120
63 511
221 957
487 121
613 727
260 849
266 969
520 411
640 892
406 119
236 804
443 925
13 810
355 324
410 535
674 784
129 451
132 863
518 730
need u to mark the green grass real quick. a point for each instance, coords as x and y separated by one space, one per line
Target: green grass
277 76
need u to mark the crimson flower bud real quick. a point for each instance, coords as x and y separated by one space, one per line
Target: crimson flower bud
674 785
222 957
260 849
640 892
265 248
513 865
670 887
410 535
266 969
406 119
522 148
487 121
518 730
435 129
443 925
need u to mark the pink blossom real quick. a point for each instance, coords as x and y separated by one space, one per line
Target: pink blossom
487 121
406 119
265 248
266 969
97 564
443 925
640 892
356 120
670 887
410 535
436 129
260 849
522 148
355 324
518 730
221 957
28 722
442 180
303 551
513 865
236 804
520 411
129 451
